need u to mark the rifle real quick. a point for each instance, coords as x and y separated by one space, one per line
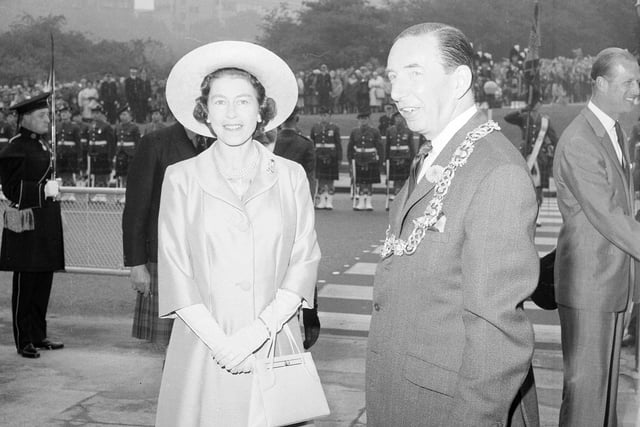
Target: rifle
54 144
386 203
354 186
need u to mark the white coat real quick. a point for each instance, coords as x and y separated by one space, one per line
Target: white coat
231 256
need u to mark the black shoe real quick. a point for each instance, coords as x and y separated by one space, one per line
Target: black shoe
47 344
29 351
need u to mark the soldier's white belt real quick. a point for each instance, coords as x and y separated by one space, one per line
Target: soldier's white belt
4 140
100 143
68 143
126 144
325 145
399 148
365 150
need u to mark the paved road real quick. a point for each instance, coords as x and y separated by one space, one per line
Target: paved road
345 293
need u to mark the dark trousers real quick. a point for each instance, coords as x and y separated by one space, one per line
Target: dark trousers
29 306
591 354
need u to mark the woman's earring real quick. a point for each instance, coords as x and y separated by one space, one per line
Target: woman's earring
259 118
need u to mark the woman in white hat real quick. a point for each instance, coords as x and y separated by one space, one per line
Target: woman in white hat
237 254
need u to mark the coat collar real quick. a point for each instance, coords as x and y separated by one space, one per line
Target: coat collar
214 183
603 138
425 187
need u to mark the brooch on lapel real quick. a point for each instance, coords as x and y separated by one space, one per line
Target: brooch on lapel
271 168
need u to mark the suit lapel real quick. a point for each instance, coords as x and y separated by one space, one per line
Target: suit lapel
605 141
424 188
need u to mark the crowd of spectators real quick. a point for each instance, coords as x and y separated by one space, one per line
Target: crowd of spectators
500 83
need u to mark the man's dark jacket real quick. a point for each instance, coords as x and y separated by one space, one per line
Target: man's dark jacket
157 151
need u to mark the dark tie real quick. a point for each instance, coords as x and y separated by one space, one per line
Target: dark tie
620 136
416 164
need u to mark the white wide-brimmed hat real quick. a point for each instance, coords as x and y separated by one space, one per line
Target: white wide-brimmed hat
183 83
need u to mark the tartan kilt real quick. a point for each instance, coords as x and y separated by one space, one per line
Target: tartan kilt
367 173
399 169
327 169
146 323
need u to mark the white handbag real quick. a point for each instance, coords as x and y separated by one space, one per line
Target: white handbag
290 386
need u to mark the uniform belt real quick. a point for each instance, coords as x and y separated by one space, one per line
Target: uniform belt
98 143
4 140
399 148
325 145
68 143
126 144
366 150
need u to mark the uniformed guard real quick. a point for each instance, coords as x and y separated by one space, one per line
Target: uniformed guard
32 243
291 144
127 138
538 142
400 148
69 152
100 152
365 153
326 138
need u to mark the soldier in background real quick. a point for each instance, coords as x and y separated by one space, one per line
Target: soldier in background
292 145
127 138
326 139
386 119
365 148
540 129
109 97
69 150
6 129
134 92
156 122
100 151
400 149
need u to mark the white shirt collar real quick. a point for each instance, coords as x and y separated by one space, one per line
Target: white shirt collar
609 125
604 118
439 142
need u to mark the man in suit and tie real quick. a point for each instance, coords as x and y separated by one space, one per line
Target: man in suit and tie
599 242
449 343
156 151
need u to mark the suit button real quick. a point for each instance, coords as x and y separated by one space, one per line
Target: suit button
376 306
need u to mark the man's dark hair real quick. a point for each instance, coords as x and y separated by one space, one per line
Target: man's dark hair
455 49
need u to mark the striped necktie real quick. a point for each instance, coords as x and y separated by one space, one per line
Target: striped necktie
416 164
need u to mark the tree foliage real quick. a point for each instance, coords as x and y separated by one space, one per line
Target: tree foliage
25 53
348 32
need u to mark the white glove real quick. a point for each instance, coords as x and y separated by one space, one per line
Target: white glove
281 309
51 189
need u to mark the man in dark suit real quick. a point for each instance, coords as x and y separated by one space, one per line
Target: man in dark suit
599 242
292 145
156 151
449 342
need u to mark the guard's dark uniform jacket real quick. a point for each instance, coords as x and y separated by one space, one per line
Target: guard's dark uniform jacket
69 151
326 138
100 146
127 138
25 167
400 150
365 146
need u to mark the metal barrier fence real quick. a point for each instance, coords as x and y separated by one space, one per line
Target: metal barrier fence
92 225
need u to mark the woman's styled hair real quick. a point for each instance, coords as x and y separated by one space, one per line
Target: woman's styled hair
267 106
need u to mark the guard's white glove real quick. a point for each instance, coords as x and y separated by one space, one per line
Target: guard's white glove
51 189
